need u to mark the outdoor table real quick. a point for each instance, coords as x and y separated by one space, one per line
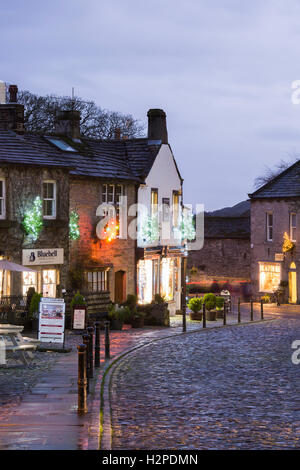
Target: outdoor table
13 341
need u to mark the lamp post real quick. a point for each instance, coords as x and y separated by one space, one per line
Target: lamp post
183 292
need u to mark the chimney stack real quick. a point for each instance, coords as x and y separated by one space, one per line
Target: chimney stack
67 122
157 125
12 113
117 133
2 92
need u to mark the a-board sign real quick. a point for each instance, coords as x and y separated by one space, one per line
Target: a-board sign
79 317
52 320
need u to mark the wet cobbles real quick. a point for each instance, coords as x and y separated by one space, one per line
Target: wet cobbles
232 388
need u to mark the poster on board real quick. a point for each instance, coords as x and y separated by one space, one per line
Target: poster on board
51 320
79 317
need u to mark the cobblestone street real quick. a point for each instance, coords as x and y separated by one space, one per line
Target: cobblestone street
232 388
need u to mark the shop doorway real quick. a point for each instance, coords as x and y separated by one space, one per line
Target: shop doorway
293 284
120 287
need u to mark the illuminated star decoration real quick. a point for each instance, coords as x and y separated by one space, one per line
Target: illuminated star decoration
110 231
74 232
33 219
288 245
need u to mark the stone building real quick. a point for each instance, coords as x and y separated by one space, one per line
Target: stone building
74 175
224 260
275 254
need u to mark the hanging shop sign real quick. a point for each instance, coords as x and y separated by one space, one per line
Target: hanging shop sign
42 256
79 318
279 257
52 320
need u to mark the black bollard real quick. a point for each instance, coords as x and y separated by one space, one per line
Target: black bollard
251 310
107 346
261 309
82 379
97 344
239 310
224 313
86 342
204 316
90 331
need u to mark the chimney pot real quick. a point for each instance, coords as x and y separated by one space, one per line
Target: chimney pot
13 93
157 125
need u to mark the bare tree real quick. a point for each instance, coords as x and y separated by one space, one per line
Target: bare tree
271 173
95 122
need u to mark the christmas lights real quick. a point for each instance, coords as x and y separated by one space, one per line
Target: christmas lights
74 232
188 231
33 219
150 230
110 231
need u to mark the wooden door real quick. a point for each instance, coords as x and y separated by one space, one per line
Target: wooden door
120 287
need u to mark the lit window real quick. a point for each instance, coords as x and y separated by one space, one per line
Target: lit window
165 209
154 203
49 199
269 276
61 144
49 283
29 280
2 199
167 278
96 281
175 208
293 227
145 279
269 226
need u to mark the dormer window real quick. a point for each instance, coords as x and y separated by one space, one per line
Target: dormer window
49 199
2 199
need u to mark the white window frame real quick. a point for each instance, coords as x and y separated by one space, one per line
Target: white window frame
268 226
293 227
3 199
53 216
105 190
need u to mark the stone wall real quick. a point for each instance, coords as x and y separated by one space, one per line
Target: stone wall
23 185
89 252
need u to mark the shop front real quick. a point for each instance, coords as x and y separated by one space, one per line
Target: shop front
46 263
160 274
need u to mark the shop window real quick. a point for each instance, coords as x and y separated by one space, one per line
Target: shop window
269 226
155 276
49 199
96 281
167 278
49 282
293 227
29 280
269 276
2 199
145 273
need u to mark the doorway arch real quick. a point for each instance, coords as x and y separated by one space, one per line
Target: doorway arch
293 283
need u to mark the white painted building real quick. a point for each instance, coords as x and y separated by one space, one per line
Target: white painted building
160 246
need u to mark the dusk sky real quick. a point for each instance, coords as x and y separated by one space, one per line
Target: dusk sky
222 71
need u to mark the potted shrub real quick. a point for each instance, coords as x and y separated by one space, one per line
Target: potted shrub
117 316
131 304
137 320
266 299
210 305
220 306
195 304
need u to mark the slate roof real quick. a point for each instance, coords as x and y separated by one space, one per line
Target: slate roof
129 159
226 227
286 184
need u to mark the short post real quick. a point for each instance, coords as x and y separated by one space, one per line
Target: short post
90 330
204 316
261 309
239 310
97 344
251 310
82 379
86 342
224 313
183 293
107 346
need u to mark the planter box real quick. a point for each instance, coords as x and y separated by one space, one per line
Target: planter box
196 316
211 315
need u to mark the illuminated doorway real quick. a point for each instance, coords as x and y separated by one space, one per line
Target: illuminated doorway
293 284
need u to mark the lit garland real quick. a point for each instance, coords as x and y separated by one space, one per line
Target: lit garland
288 245
188 231
74 232
33 219
110 231
150 230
